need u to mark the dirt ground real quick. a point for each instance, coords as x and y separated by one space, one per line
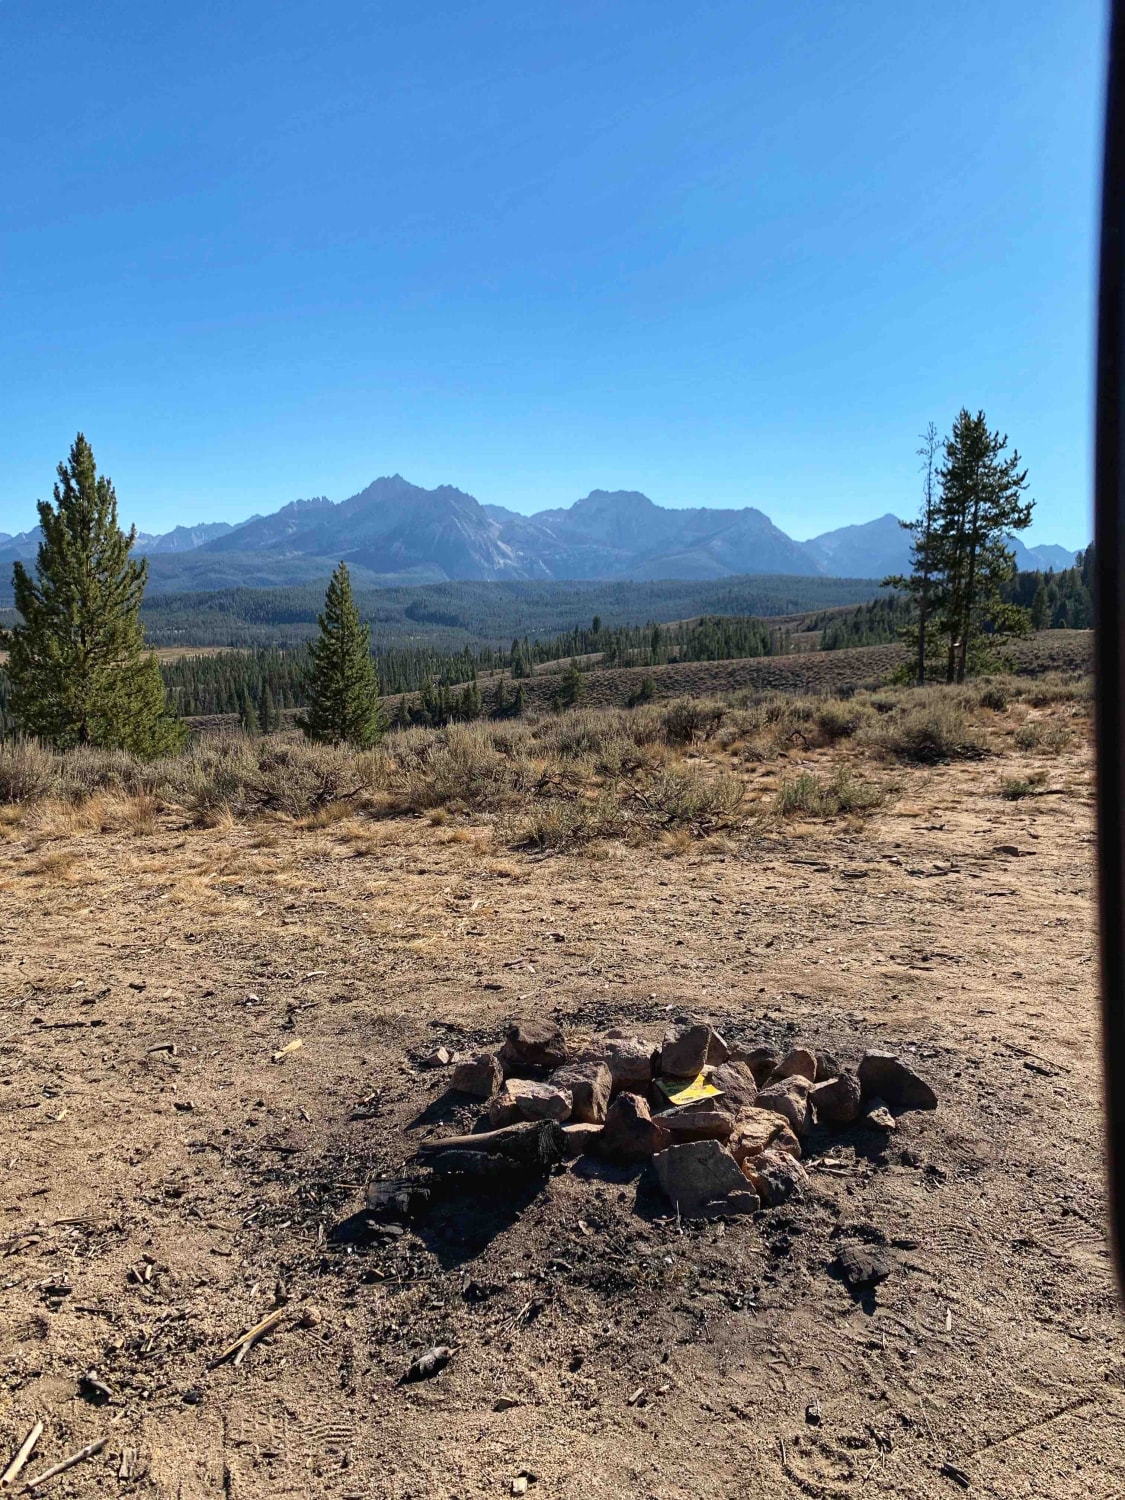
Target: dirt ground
152 1201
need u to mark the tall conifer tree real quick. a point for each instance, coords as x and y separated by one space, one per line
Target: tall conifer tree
981 504
961 560
77 663
343 688
268 718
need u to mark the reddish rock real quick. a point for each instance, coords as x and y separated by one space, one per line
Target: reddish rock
533 1044
738 1086
629 1062
696 1122
826 1067
786 1141
774 1176
479 1075
630 1133
523 1099
800 1063
837 1101
754 1131
790 1098
879 1117
590 1084
688 1048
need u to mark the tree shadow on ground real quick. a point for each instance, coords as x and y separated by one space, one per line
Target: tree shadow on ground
456 1218
447 1108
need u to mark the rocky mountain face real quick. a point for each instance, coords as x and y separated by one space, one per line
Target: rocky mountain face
395 530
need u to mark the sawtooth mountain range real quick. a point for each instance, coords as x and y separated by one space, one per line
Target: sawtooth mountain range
394 532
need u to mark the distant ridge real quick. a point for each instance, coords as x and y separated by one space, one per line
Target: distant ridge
397 532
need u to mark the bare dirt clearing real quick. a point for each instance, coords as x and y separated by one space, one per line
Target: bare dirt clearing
154 1198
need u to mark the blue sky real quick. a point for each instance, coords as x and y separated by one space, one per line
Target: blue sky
725 252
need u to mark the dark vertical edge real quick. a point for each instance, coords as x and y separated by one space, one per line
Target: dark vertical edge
1109 535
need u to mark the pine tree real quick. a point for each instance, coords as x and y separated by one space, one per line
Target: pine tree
1040 609
981 503
470 705
343 685
77 665
962 566
571 689
267 714
248 716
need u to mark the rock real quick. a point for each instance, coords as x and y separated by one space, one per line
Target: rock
786 1141
427 1365
885 1076
790 1098
826 1067
590 1084
755 1130
774 1176
630 1133
440 1057
685 1049
738 1085
580 1138
523 1099
697 1172
717 1050
479 1075
629 1062
861 1266
696 1122
800 1063
533 1044
741 1201
879 1117
762 1061
837 1101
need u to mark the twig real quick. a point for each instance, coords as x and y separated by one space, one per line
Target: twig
1053 1416
68 1463
926 1418
251 1336
22 1456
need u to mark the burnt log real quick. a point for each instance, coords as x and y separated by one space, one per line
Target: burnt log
534 1146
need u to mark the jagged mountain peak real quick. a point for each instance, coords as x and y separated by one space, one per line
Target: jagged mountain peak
393 528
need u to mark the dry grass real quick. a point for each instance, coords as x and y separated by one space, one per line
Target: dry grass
673 772
843 793
930 727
